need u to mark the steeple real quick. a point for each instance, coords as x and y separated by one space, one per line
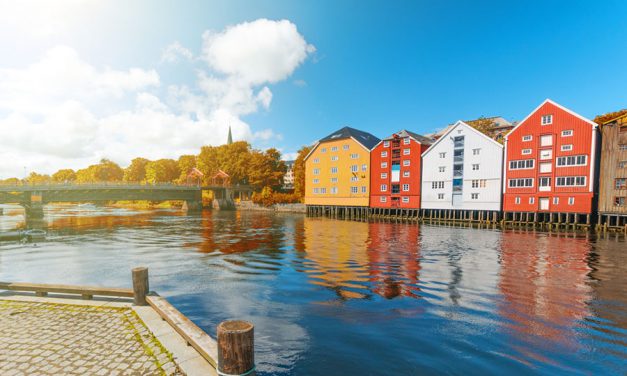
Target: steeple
229 141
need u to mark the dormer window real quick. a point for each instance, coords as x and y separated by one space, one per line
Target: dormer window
547 119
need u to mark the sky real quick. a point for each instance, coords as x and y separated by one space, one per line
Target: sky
82 80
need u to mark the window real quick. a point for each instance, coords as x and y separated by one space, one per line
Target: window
384 154
354 190
333 180
405 174
532 200
570 181
316 191
384 175
523 164
571 201
475 167
440 196
573 160
476 151
333 190
475 183
396 188
406 162
354 156
520 183
334 170
546 140
354 168
405 187
437 185
567 133
323 150
354 178
363 189
386 144
544 181
316 181
406 151
323 190
622 147
316 160
619 201
384 165
345 147
442 155
526 151
316 171
620 183
547 119
383 199
334 148
517 200
442 168
364 167
405 199
568 147
622 164
546 154
334 158
384 187
556 200
406 141
474 196
527 138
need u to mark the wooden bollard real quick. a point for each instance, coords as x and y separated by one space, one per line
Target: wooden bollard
140 285
236 348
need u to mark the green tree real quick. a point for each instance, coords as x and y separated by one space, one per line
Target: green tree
64 176
162 171
299 171
136 171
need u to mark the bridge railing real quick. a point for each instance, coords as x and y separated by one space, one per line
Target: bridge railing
73 185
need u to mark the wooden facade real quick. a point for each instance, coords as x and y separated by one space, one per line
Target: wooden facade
613 176
550 163
396 169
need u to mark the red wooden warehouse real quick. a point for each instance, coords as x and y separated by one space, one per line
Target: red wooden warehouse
395 171
550 160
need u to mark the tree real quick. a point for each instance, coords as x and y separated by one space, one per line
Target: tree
186 163
299 171
266 169
35 178
64 176
11 181
162 171
232 159
136 171
483 125
105 171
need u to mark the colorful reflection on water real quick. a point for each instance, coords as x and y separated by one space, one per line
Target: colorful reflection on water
339 297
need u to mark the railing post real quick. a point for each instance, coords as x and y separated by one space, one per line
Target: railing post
140 285
236 348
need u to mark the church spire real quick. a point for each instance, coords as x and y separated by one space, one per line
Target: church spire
229 141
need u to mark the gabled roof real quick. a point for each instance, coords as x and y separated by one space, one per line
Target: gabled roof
364 138
405 133
615 118
453 127
556 105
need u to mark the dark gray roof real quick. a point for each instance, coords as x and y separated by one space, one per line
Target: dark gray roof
364 138
416 136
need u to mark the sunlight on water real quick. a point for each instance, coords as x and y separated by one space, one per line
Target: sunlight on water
341 297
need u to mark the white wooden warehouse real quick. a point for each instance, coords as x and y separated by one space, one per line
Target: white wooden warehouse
462 171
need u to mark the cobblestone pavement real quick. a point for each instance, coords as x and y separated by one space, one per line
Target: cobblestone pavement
62 339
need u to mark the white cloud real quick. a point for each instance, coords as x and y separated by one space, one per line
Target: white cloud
174 52
62 111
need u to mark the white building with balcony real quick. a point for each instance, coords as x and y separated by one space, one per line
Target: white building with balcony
462 170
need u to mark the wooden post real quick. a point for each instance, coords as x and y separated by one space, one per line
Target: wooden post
140 285
236 348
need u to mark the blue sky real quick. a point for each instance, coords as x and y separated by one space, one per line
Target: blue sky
376 66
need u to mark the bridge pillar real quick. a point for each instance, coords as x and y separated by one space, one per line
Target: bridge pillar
33 210
192 206
224 201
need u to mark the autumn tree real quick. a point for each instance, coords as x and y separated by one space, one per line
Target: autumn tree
105 171
35 178
266 169
186 163
162 171
232 159
11 181
136 171
299 171
483 125
64 176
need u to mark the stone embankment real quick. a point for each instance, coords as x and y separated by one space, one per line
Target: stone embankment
283 208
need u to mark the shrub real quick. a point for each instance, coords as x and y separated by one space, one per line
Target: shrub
267 197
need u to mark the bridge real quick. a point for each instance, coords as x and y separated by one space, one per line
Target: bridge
34 197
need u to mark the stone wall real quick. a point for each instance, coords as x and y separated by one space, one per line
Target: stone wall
283 208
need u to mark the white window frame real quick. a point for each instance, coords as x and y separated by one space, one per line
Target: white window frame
406 141
384 187
334 170
546 119
443 154
405 200
384 165
517 163
384 175
334 158
316 171
345 146
527 138
566 147
474 196
556 200
383 199
532 200
364 167
526 151
517 200
476 151
354 168
354 189
406 173
334 148
384 154
386 144
406 162
571 201
406 151
567 133
405 187
475 166
546 137
440 196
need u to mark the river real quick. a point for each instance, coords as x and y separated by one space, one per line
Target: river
331 297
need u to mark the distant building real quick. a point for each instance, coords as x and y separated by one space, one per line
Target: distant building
613 182
462 171
338 169
501 127
229 139
288 178
396 170
550 160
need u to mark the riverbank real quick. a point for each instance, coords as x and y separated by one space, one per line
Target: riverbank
282 208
